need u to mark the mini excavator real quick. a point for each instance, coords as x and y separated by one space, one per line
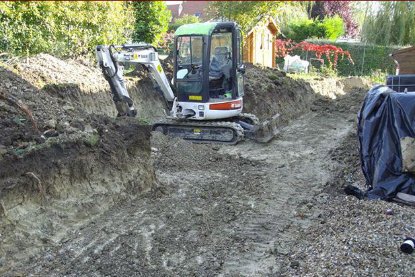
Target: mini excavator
208 84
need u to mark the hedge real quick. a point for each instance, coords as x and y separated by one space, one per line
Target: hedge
62 28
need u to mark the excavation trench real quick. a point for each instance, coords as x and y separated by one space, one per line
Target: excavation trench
217 210
103 197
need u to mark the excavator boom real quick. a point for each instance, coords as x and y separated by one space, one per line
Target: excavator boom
109 59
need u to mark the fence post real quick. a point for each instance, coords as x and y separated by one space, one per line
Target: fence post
363 59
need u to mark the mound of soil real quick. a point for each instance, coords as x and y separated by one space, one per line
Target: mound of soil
269 91
76 161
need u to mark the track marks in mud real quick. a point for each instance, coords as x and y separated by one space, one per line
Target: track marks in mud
234 210
228 210
298 168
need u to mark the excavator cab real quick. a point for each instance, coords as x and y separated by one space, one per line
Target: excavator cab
208 63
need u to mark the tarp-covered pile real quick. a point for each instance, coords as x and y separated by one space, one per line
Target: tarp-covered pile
386 130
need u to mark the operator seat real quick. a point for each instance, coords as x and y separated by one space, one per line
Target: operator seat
219 71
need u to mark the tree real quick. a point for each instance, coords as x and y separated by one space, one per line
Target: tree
329 28
24 27
322 9
151 21
393 24
333 27
245 13
80 26
187 19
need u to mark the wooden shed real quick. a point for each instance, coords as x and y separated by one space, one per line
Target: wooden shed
405 59
259 46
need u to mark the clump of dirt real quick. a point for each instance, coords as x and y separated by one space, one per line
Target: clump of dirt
350 172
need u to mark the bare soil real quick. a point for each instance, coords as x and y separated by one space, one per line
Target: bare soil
103 198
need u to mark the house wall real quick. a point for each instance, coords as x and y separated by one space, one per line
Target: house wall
196 8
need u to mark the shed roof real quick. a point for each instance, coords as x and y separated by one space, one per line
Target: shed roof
403 50
405 58
267 21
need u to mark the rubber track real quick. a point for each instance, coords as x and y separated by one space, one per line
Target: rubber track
238 130
253 118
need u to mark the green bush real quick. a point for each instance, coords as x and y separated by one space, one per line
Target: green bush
333 27
62 28
302 29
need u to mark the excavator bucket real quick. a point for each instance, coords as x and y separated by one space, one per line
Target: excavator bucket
266 130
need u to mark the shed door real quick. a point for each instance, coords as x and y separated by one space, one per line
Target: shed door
267 48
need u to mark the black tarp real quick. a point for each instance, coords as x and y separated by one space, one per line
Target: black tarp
384 119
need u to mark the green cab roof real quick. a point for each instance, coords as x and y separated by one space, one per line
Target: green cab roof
196 29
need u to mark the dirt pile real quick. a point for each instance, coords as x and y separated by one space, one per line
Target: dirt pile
60 94
82 83
75 165
269 91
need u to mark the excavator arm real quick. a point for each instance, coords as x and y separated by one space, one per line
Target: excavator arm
111 58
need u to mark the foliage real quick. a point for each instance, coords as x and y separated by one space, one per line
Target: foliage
187 19
333 27
62 28
331 52
323 9
166 44
286 14
151 21
245 13
378 76
302 29
393 24
329 28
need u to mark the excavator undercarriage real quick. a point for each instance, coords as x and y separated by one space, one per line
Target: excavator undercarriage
244 126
